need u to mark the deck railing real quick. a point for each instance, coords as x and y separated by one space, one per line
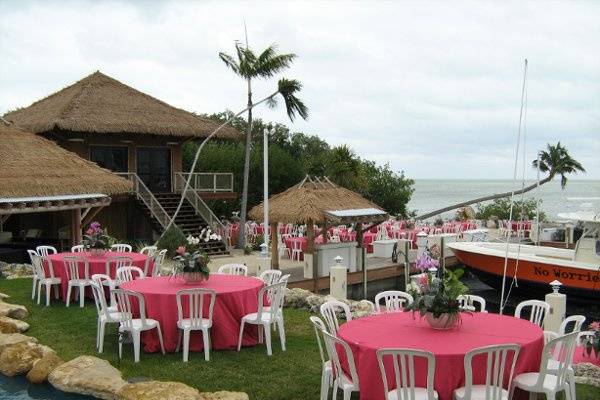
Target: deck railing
212 182
147 197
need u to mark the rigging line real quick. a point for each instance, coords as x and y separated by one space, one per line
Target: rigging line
512 195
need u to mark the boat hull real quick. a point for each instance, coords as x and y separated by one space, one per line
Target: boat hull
531 275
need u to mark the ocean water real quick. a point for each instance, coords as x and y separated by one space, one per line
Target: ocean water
433 194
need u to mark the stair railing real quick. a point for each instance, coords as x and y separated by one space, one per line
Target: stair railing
204 211
147 197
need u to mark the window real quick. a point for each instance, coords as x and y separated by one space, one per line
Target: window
113 158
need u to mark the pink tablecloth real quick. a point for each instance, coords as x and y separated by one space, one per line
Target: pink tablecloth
236 297
368 238
400 330
97 266
581 356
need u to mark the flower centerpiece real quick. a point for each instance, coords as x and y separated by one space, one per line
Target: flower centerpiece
192 263
96 240
435 298
592 343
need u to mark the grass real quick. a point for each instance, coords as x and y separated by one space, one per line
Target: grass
293 374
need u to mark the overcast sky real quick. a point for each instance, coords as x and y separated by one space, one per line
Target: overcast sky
433 88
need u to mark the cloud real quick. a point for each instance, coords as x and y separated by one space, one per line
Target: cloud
431 88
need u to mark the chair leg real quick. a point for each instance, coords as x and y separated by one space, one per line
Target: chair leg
335 390
532 396
550 395
101 336
572 386
69 294
48 287
135 334
241 333
268 339
324 385
347 394
186 344
33 287
206 339
39 291
81 296
120 346
160 338
281 333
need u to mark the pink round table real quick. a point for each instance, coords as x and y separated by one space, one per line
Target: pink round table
401 330
97 266
236 297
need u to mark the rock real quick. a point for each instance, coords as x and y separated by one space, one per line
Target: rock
19 358
14 271
296 297
11 325
362 308
9 339
13 310
4 296
156 390
88 375
223 395
587 373
42 367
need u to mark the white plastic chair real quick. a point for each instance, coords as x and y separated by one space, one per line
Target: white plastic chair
267 317
106 281
44 251
75 279
583 336
554 378
78 248
135 325
34 275
549 335
341 380
395 301
128 274
497 360
270 276
233 269
577 320
197 319
121 247
329 312
468 302
403 361
159 259
539 310
149 251
43 280
296 250
105 314
114 263
326 368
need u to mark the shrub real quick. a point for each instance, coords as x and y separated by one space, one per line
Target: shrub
500 208
171 240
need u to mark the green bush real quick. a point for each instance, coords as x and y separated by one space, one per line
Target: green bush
500 208
171 240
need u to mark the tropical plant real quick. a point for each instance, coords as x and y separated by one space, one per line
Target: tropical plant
437 295
500 209
250 66
192 261
592 343
555 161
97 238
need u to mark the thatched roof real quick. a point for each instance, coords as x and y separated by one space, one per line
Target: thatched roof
309 200
101 104
31 166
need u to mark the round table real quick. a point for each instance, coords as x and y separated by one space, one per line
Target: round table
401 330
97 266
236 297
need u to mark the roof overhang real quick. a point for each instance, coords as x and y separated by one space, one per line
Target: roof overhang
24 205
356 215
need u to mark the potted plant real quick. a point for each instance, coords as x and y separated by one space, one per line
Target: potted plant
96 240
592 343
435 298
192 263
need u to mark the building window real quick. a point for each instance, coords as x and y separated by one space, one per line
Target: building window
113 158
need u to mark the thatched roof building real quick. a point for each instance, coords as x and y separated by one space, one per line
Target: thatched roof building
310 201
101 104
31 166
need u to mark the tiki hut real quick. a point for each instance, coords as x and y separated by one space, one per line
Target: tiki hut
37 176
318 201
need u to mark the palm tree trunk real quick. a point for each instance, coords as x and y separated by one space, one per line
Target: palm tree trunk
485 198
244 206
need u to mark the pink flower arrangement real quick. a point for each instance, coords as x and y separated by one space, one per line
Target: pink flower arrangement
595 326
592 343
424 262
181 250
95 237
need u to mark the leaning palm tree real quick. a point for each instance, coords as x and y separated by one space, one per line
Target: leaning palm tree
554 161
249 66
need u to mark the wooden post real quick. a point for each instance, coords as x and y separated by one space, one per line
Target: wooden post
325 228
274 245
76 227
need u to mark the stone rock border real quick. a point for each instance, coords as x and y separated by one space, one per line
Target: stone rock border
307 300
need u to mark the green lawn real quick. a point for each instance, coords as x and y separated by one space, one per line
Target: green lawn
293 374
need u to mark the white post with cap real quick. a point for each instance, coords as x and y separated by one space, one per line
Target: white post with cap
558 307
264 261
421 242
338 280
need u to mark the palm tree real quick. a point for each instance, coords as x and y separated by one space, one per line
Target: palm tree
249 66
554 161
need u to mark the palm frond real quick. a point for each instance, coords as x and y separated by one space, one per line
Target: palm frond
269 66
293 105
230 62
272 102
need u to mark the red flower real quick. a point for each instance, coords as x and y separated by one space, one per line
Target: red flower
181 250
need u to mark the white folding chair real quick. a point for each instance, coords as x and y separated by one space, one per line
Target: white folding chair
326 368
498 358
577 320
34 275
135 325
197 319
75 279
48 281
403 362
468 302
539 310
264 318
78 248
159 260
553 376
233 269
128 274
44 251
329 311
394 300
341 380
105 314
121 247
270 276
